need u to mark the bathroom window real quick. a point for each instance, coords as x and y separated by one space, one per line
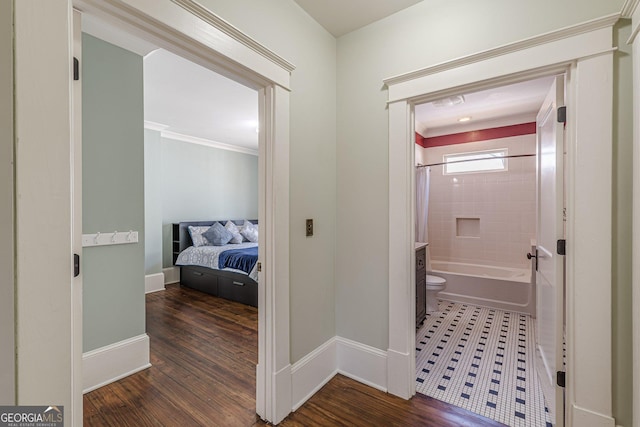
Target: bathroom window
478 161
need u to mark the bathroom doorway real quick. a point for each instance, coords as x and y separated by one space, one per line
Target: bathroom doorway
478 348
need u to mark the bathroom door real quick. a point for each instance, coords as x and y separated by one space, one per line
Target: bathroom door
550 265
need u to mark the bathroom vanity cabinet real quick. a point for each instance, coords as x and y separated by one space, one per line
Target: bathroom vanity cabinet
421 284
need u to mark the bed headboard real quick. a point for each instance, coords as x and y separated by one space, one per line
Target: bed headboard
181 238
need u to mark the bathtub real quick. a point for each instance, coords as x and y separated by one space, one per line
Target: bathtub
509 289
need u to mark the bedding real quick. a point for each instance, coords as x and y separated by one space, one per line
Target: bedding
208 256
239 259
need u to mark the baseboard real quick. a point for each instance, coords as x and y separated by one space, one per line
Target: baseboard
282 384
113 362
312 372
585 418
362 363
153 283
171 275
400 374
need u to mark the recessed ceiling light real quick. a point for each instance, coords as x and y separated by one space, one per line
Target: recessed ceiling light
464 119
449 102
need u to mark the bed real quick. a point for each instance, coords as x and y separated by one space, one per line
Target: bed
196 264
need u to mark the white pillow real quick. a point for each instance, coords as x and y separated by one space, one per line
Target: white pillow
249 231
235 231
196 235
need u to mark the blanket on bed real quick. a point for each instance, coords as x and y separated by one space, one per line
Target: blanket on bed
239 259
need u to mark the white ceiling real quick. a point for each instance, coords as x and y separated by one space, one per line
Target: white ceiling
195 101
340 17
502 106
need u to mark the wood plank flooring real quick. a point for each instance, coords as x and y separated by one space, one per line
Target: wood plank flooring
204 352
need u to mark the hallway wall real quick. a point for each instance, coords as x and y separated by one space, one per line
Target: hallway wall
440 31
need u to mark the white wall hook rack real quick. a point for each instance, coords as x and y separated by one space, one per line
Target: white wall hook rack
109 238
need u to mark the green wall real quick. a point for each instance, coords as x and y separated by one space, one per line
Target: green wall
113 193
622 193
290 32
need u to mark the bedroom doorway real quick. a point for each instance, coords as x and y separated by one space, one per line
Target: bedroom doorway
270 84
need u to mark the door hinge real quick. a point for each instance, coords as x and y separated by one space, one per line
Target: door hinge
562 114
561 378
259 267
562 247
76 69
76 265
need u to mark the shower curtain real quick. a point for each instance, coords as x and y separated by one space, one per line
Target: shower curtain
422 203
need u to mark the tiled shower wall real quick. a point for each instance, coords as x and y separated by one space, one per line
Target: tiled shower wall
504 204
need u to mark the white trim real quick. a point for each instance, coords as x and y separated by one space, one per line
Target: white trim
113 362
587 58
585 418
635 23
558 52
312 372
362 363
174 27
159 127
153 283
171 275
206 142
528 43
224 26
628 8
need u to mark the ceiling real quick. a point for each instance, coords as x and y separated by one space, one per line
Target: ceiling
194 101
502 106
340 17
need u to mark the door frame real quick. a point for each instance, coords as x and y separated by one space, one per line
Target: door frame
585 53
189 30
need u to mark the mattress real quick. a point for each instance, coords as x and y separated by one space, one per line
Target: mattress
209 256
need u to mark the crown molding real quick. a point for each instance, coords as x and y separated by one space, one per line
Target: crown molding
563 33
196 140
155 126
217 22
628 8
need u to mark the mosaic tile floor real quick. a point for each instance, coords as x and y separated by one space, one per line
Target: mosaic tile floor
481 359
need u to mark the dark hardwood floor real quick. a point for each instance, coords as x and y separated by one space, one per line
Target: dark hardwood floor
204 352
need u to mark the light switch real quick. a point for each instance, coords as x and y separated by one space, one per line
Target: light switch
309 227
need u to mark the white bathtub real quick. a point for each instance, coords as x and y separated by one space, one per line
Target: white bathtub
510 289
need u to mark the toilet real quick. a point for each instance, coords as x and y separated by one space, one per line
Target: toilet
435 284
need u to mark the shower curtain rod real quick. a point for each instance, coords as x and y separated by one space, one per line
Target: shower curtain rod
475 160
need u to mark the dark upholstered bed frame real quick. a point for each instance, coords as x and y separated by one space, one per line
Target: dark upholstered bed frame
225 284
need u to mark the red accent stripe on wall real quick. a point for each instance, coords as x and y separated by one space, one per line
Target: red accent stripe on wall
477 135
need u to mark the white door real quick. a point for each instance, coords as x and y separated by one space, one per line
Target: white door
550 265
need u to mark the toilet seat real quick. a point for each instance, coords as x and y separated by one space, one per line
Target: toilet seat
435 280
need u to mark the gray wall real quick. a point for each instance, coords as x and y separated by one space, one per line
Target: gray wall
7 334
286 29
191 182
113 193
440 31
152 202
622 219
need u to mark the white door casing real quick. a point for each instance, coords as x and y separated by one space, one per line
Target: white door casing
585 53
44 34
550 265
